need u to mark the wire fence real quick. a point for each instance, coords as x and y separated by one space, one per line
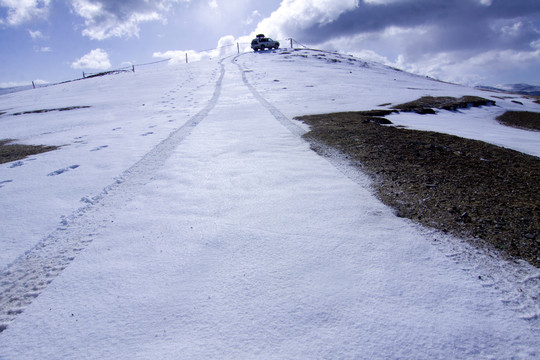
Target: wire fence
240 47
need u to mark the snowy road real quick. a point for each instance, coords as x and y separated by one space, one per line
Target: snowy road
233 239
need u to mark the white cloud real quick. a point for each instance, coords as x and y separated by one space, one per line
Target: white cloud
42 49
468 69
179 56
505 58
252 18
512 30
294 14
22 11
36 34
97 59
213 4
485 2
106 19
226 45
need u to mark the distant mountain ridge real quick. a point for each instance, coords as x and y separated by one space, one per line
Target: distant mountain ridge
524 89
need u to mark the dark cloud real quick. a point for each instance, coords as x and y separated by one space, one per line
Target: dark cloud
453 24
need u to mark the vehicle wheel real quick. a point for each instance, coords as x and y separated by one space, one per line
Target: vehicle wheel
262 48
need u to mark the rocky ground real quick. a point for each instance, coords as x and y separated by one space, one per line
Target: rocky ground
469 188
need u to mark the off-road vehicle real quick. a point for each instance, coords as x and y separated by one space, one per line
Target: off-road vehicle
261 43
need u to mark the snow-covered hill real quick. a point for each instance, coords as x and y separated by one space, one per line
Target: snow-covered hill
184 217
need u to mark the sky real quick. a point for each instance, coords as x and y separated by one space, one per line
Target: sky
471 42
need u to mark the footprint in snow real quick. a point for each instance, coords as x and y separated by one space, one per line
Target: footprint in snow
147 133
100 147
118 128
61 171
16 164
4 182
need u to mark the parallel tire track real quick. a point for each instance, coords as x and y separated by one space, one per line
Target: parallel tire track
278 115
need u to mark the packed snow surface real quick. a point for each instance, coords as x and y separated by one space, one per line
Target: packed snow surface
185 217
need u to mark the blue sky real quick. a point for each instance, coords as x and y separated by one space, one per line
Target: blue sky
472 42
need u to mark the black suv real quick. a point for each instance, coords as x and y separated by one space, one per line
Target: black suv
261 43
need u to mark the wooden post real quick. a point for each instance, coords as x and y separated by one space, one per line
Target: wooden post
84 76
238 47
291 43
133 68
186 59
34 85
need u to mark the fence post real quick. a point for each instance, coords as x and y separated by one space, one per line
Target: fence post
83 75
34 85
133 68
186 59
291 43
238 47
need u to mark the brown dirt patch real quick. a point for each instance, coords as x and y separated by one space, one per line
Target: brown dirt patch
469 188
40 111
425 104
521 119
13 152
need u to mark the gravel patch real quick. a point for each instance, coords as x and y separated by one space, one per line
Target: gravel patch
478 191
14 152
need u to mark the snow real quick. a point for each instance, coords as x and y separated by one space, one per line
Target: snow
201 225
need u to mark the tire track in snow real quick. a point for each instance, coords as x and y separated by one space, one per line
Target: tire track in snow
516 284
23 280
278 115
